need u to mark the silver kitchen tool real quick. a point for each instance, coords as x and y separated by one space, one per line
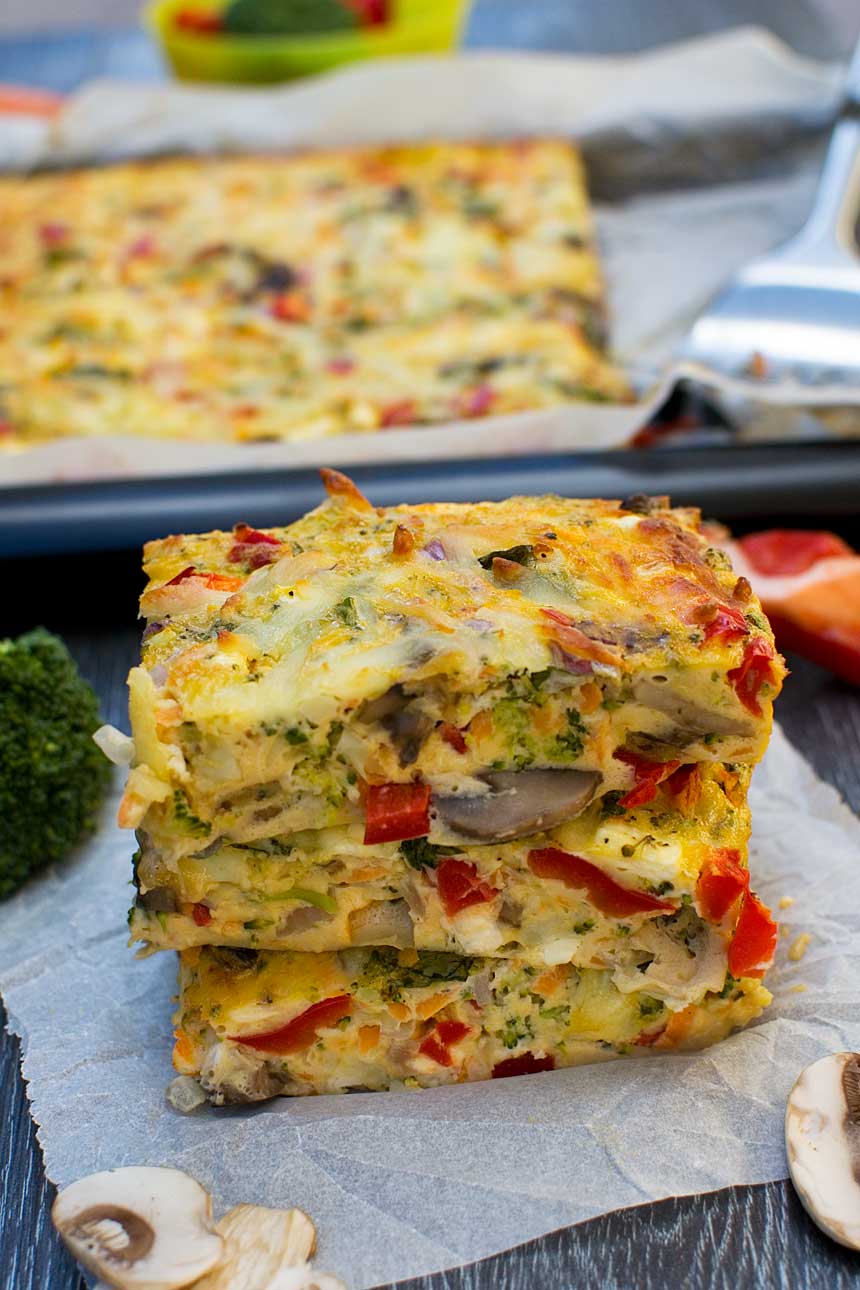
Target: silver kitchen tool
787 329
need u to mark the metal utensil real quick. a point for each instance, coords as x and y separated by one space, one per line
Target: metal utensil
787 329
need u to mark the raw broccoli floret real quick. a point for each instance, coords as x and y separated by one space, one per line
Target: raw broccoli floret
288 17
52 775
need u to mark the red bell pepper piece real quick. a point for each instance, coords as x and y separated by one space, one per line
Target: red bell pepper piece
452 736
215 581
752 949
201 914
203 22
441 1039
400 413
526 1064
395 812
728 625
301 1032
684 786
754 671
604 892
648 774
460 886
722 880
253 547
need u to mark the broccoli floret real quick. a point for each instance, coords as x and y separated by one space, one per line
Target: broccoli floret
287 17
52 775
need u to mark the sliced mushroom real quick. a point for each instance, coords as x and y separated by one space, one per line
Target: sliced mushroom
232 1075
822 1137
140 1227
260 1246
158 900
519 802
690 716
404 721
385 922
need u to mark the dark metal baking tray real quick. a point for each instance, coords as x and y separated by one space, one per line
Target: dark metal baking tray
729 483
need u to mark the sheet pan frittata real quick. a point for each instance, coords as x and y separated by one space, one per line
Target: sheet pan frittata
284 298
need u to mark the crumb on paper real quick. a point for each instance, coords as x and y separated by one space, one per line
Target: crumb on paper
800 988
799 947
786 902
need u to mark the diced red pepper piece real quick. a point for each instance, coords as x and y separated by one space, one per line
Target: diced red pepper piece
754 943
201 914
728 625
400 413
604 892
452 736
301 1032
370 13
780 553
648 775
684 785
19 100
290 306
649 1037
441 1039
722 881
395 812
215 581
526 1064
460 886
253 547
203 22
752 673
566 635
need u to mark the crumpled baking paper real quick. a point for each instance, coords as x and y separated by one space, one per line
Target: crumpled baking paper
701 156
401 1184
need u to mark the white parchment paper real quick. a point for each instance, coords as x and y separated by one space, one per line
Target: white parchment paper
401 1184
672 138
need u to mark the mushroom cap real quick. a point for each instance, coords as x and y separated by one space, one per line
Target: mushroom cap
143 1228
264 1248
822 1138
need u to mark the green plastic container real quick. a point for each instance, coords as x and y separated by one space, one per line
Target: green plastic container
416 27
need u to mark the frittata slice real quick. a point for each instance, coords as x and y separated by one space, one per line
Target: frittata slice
286 298
624 889
472 674
256 1025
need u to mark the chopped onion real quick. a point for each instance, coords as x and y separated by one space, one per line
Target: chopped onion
435 549
116 746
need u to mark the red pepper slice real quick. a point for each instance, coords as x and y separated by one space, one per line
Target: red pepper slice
780 553
396 812
215 581
301 1032
460 886
253 547
570 640
752 673
452 736
526 1064
201 914
684 785
752 949
722 880
648 774
203 22
604 892
437 1044
401 413
728 625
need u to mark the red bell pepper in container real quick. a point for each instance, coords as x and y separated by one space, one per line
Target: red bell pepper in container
809 586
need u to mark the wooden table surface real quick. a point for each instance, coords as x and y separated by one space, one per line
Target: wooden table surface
749 1236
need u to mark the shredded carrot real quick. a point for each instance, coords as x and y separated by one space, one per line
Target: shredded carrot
549 982
399 1011
481 725
589 697
429 1007
368 1037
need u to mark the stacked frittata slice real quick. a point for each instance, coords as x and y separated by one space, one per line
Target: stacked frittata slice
437 793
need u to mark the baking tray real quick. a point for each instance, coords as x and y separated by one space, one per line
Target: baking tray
729 483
